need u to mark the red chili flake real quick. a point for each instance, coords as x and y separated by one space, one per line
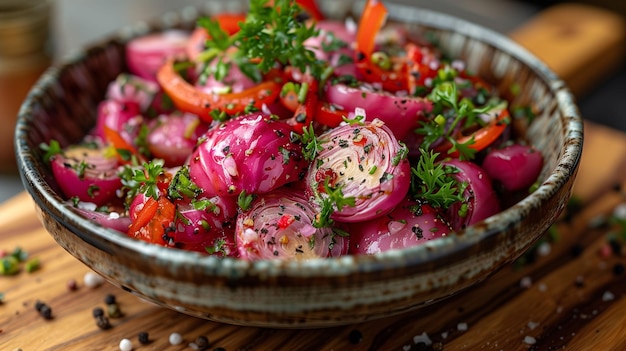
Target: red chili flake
324 174
359 140
285 221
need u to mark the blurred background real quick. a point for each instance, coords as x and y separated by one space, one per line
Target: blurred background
33 38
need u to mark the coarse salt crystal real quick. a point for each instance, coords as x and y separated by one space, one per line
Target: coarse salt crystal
126 345
461 326
92 280
422 338
608 296
530 340
526 282
620 211
532 325
175 339
544 249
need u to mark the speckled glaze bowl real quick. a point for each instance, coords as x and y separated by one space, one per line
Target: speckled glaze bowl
319 292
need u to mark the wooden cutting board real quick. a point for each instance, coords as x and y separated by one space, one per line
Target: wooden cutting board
570 296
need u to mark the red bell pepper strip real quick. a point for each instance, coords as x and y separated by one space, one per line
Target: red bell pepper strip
372 20
486 135
189 99
113 137
327 115
418 68
152 220
310 7
305 111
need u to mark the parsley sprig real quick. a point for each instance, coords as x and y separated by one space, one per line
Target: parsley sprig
433 183
143 179
269 35
334 200
453 112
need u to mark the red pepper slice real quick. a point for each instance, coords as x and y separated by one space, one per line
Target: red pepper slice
418 69
152 220
372 20
189 99
329 116
119 143
485 135
310 7
304 113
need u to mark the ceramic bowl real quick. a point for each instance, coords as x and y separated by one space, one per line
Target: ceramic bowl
317 292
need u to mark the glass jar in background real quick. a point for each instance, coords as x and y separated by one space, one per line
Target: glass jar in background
25 52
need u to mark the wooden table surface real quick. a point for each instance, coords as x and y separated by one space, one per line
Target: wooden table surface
570 297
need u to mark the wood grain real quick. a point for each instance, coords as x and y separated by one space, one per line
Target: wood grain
565 305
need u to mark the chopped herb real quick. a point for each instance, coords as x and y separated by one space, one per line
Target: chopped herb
245 200
54 148
432 182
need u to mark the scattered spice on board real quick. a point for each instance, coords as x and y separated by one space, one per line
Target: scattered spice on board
175 339
126 345
355 336
44 310
11 263
92 280
143 338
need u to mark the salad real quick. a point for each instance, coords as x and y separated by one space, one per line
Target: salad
279 134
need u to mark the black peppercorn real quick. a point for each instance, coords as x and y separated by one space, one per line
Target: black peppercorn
618 269
39 305
103 322
143 338
202 342
98 312
355 336
46 311
109 299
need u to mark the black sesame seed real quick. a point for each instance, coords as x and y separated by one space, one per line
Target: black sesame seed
355 336
109 299
618 269
98 312
143 338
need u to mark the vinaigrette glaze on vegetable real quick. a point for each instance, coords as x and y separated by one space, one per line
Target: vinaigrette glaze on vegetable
279 134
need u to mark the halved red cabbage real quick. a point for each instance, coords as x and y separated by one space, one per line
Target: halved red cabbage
400 113
411 223
516 166
364 161
173 137
279 225
480 197
206 225
87 173
252 153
